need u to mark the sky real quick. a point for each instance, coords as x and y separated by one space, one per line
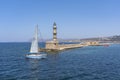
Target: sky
75 19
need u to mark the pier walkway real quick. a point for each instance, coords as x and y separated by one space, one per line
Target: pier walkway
70 46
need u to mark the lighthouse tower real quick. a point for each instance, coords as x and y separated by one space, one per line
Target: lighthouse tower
53 45
54 32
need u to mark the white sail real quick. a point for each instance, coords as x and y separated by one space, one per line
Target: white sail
34 45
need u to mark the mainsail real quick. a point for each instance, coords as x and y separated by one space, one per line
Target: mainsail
34 45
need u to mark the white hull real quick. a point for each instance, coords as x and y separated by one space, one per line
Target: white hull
36 56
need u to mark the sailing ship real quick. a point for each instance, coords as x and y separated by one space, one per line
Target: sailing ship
34 50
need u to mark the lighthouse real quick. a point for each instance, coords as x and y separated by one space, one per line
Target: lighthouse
54 44
54 32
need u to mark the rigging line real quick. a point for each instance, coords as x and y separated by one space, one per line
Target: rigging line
40 35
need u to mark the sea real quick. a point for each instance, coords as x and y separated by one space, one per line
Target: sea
87 63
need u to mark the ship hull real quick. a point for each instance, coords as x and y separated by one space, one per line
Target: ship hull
36 56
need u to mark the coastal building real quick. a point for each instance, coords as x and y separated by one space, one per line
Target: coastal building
92 43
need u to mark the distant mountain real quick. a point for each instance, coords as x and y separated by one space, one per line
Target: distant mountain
115 38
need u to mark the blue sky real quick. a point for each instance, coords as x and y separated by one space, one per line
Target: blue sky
75 18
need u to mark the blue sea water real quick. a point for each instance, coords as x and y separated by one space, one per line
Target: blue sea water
88 63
